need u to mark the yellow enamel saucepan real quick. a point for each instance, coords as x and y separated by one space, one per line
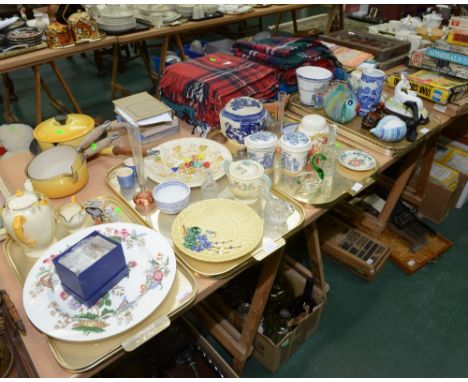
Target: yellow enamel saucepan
61 170
69 129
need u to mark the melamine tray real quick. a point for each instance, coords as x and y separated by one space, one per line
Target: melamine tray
163 223
363 137
81 357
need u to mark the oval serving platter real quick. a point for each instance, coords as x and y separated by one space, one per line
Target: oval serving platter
152 269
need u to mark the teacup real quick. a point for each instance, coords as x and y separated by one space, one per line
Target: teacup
246 179
294 151
312 82
261 148
130 163
125 177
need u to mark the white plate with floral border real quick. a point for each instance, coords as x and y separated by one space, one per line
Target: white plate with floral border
357 160
152 269
186 159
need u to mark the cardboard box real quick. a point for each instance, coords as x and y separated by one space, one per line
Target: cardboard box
103 265
441 193
271 355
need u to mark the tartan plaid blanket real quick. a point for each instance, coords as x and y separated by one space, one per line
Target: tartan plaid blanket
316 54
277 46
207 83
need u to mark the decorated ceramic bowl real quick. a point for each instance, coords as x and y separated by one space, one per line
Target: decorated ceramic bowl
242 117
172 196
261 148
295 147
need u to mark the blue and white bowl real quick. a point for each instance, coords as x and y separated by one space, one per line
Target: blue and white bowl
312 81
241 117
172 196
295 148
261 148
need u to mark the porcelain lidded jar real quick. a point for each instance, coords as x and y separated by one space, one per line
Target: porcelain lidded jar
246 179
261 148
316 128
295 148
241 117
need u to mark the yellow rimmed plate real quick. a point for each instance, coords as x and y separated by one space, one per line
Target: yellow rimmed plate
186 159
228 230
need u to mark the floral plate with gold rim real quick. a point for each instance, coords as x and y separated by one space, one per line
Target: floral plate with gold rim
217 230
186 159
152 268
357 160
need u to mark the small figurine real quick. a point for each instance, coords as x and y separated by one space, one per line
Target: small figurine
398 104
340 103
373 117
144 202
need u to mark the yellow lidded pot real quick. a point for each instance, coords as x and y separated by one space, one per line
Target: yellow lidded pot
63 128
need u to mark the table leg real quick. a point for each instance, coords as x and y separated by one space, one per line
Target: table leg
146 60
294 21
180 46
262 291
8 114
64 84
331 17
165 45
315 257
37 92
115 69
58 105
431 146
277 23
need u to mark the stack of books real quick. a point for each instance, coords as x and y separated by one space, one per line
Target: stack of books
448 55
155 119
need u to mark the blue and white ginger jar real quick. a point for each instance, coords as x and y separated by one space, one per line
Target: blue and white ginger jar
295 148
242 117
261 148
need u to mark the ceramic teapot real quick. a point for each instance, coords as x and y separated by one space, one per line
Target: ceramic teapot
246 178
72 215
29 219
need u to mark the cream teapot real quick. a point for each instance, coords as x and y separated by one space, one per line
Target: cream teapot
29 219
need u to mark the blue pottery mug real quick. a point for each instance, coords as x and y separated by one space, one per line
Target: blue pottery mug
370 90
125 177
131 164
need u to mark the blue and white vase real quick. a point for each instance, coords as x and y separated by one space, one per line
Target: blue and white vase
261 148
242 117
370 90
294 151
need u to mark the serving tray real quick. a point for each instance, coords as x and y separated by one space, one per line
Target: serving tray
345 181
382 48
80 357
363 137
163 223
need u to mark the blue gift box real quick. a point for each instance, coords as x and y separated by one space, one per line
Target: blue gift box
91 267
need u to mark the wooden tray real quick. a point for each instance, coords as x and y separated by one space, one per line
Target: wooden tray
162 223
79 357
351 247
382 48
363 137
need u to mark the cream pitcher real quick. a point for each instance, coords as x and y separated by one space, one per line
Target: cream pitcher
29 219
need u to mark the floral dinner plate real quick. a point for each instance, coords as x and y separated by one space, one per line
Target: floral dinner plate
186 159
152 268
357 160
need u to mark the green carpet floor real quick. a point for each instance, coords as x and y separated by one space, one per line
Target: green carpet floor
397 326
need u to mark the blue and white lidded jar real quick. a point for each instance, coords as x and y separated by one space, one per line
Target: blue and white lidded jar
370 90
261 148
241 117
295 148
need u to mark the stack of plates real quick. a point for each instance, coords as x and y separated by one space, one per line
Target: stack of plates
119 21
24 36
151 12
217 230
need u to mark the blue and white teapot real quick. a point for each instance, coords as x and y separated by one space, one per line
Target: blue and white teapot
241 117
